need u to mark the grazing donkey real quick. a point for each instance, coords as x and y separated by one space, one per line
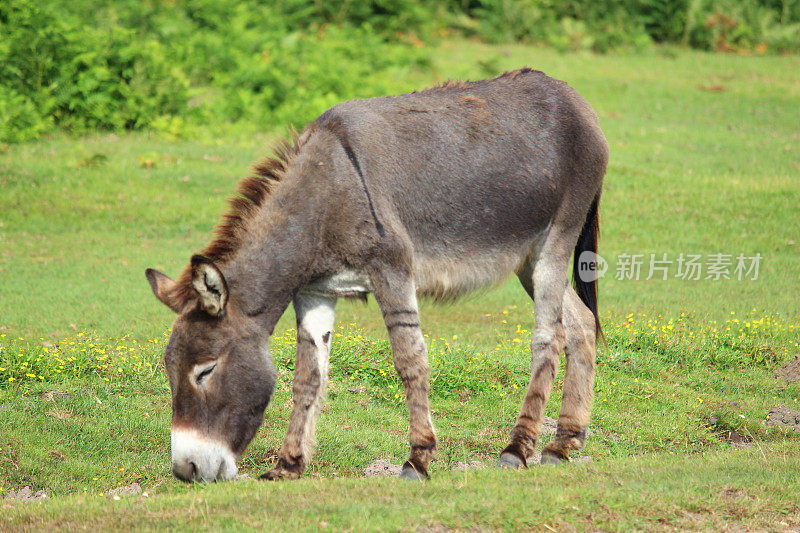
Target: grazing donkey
435 193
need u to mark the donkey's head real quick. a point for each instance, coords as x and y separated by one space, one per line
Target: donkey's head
220 373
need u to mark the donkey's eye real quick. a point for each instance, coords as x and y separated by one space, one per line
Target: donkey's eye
204 373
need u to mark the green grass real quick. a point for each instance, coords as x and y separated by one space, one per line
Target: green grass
692 171
753 489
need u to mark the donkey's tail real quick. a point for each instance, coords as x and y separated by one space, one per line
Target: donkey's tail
587 242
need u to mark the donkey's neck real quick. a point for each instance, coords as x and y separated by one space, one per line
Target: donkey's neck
274 261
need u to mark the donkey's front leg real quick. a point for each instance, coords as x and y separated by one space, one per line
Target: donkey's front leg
394 290
314 326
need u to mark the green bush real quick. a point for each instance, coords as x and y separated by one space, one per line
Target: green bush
171 64
20 120
127 64
733 25
82 76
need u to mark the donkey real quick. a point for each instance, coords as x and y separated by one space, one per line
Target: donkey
432 193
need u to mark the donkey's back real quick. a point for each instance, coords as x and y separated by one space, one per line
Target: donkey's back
474 173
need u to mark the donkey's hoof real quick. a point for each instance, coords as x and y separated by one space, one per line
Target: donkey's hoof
510 460
549 458
410 473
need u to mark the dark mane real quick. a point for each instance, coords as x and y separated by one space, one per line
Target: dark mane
251 194
511 74
452 85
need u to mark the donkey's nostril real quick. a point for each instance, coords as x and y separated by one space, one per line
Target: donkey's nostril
184 470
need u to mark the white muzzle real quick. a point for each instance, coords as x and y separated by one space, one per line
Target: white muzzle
198 458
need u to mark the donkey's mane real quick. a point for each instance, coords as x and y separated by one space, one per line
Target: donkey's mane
512 74
251 195
453 85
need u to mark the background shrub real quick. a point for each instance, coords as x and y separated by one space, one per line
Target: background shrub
167 64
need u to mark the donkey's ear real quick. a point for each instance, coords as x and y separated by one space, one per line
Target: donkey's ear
210 284
163 287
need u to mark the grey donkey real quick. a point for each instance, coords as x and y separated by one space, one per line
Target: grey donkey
434 193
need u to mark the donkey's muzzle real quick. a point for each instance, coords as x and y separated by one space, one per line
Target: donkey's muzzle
198 458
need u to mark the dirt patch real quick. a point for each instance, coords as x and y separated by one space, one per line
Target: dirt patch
731 436
550 425
790 371
26 495
53 395
62 414
728 434
127 490
691 518
472 465
782 416
382 468
732 494
57 455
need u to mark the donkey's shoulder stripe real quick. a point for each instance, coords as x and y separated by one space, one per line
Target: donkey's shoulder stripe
401 312
337 129
403 325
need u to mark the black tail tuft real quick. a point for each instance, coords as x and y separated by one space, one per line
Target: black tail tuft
587 290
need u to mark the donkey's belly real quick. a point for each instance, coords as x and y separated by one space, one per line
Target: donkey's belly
443 273
454 272
441 277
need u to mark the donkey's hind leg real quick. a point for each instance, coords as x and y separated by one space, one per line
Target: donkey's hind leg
315 314
395 293
576 402
547 280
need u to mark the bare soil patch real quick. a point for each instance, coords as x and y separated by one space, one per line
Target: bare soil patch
728 434
782 416
472 465
127 490
733 494
550 425
26 495
790 371
382 468
53 395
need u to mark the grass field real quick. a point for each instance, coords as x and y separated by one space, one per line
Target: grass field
705 160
